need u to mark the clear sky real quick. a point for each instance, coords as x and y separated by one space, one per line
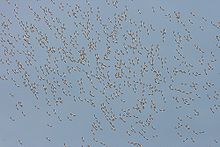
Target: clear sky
109 73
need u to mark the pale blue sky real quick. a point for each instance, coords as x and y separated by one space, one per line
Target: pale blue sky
43 115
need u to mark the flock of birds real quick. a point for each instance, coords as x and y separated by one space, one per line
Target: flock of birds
106 74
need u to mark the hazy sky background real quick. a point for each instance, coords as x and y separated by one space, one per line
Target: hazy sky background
32 129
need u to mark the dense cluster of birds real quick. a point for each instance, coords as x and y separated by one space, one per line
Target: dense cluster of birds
105 74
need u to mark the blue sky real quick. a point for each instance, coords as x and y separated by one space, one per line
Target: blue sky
109 73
